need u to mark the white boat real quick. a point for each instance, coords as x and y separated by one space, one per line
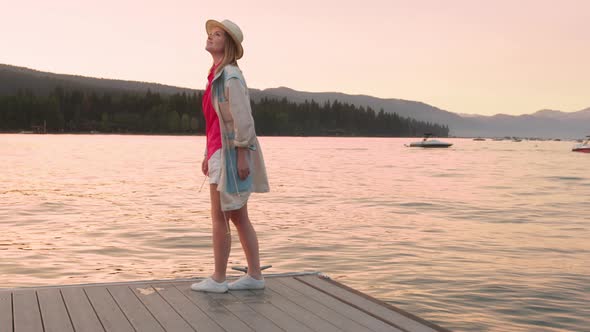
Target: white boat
429 143
583 147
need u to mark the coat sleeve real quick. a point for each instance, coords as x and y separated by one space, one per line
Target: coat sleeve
239 105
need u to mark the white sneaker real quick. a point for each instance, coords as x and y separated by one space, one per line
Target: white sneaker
210 285
246 282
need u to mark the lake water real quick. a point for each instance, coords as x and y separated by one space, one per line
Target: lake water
483 236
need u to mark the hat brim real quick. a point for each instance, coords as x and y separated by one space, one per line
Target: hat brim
213 23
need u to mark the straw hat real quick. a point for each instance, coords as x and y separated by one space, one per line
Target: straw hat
232 29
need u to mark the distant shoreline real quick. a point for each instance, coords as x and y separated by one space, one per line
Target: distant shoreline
191 134
504 138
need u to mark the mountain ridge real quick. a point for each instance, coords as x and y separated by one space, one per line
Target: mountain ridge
543 123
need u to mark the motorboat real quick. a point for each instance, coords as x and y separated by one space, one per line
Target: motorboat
479 139
429 143
583 147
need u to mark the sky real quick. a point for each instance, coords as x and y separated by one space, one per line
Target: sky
463 56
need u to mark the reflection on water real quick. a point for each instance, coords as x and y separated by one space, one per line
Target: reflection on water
482 236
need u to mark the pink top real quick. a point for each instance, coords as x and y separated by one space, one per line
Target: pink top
212 128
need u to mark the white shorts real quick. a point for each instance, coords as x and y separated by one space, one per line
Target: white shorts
214 167
233 201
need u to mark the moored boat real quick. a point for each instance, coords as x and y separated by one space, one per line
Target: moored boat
427 143
583 147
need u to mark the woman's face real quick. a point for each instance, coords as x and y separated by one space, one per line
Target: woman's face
216 41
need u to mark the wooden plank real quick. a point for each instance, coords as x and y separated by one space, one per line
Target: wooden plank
53 311
110 315
355 314
5 311
339 320
267 309
256 321
301 313
188 310
360 300
162 311
81 312
27 317
300 303
137 314
223 317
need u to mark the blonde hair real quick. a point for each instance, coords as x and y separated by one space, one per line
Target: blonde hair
230 54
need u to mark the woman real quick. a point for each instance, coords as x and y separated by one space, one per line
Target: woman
233 159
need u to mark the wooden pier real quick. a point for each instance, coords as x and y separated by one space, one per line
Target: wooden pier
290 302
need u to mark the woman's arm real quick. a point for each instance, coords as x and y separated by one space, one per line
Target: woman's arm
239 105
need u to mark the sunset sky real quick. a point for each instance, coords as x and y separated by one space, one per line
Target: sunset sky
464 56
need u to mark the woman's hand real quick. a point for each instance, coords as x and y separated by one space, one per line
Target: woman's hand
243 167
205 167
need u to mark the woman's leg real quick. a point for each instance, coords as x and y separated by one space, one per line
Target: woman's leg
221 235
248 239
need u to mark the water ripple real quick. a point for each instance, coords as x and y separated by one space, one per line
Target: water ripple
481 237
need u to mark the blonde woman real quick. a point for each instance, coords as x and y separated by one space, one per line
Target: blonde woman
233 158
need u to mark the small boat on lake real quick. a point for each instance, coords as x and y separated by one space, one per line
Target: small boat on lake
583 147
426 143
